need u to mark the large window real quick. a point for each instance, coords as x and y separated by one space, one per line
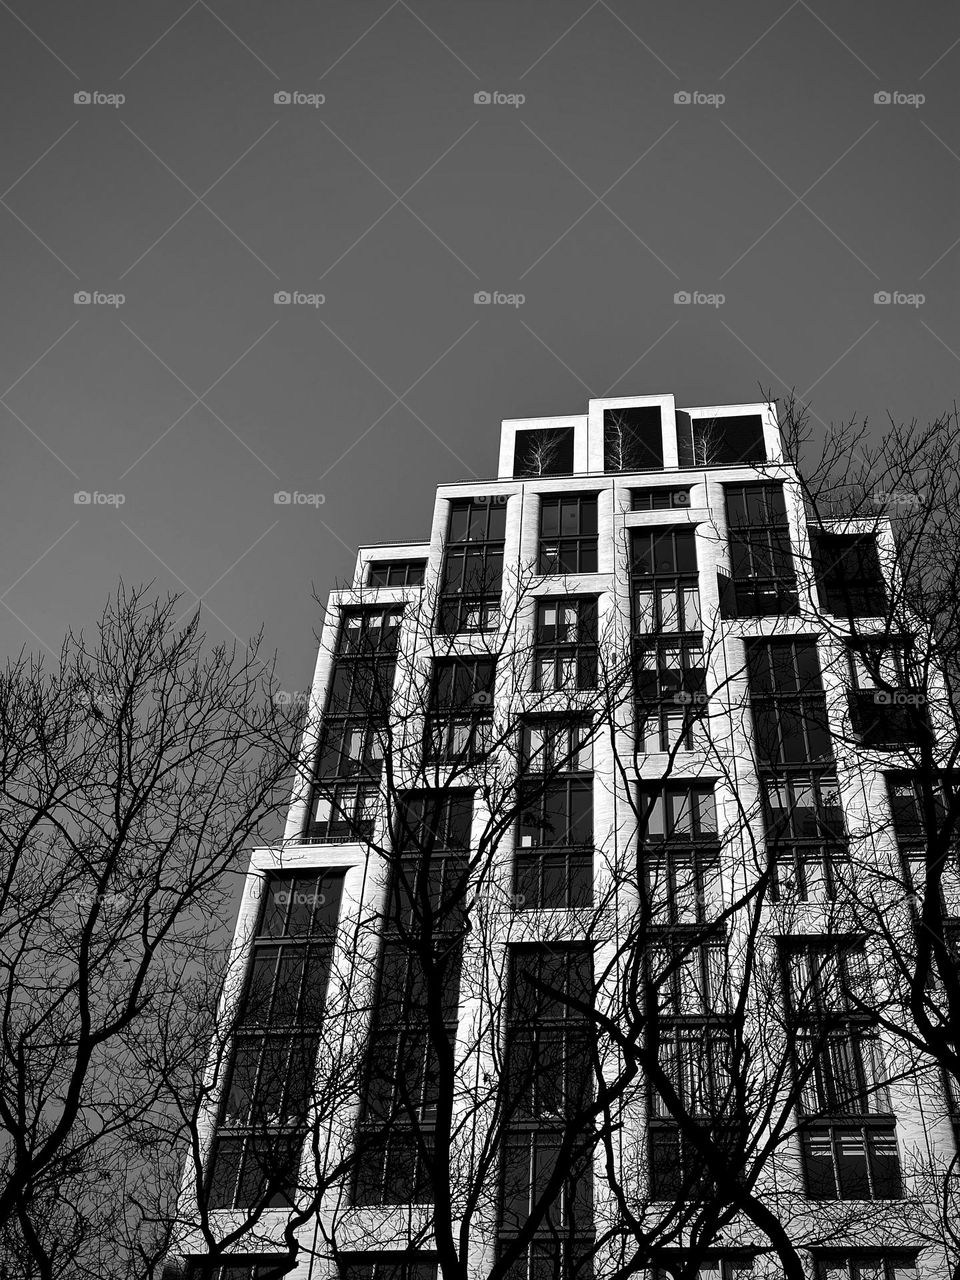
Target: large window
885 710
544 452
677 811
269 1082
663 570
473 566
419 978
387 1266
762 576
566 644
240 1267
718 442
734 1267
632 438
849 577
671 703
554 857
460 722
788 703
660 498
550 1072
806 837
863 1265
848 1139
568 533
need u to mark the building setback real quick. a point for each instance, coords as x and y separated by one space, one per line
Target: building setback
566 934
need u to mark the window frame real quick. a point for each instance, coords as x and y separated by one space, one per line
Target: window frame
566 552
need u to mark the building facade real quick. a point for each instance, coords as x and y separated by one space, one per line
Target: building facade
570 929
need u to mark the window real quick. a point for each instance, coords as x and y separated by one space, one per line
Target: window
847 1076
632 438
718 442
826 977
473 566
544 452
805 835
662 498
419 963
885 711
553 864
851 1162
396 573
788 703
734 1267
866 1266
849 578
696 1059
664 580
680 883
907 794
762 578
568 533
566 645
257 1267
550 1081
460 723
342 812
268 1086
671 702
688 976
549 1259
387 1266
683 811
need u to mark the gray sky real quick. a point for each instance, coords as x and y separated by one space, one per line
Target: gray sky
598 198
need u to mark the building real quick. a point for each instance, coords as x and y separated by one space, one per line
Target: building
628 728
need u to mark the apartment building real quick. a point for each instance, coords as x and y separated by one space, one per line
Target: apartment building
569 931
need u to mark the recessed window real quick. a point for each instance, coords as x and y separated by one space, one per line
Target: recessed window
849 578
661 498
565 656
866 1266
720 442
396 573
852 1162
664 581
545 452
387 1266
788 703
568 533
472 572
632 438
762 580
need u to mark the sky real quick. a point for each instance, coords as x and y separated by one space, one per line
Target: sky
180 164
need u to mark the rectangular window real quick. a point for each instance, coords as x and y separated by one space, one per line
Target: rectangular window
342 812
269 1082
632 438
543 452
419 965
664 581
667 497
688 977
566 644
849 578
669 680
696 1059
568 533
720 442
681 883
460 723
239 1267
788 703
866 1266
388 1266
847 1074
733 1267
472 572
550 1082
680 812
396 573
762 576
805 836
885 710
851 1162
553 864
826 977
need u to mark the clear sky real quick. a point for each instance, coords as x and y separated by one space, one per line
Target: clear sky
782 185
